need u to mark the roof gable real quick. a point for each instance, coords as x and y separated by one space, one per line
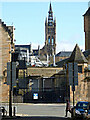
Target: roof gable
87 12
77 56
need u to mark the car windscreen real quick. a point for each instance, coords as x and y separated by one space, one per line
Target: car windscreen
81 105
88 106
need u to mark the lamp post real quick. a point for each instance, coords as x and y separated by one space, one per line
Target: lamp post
10 91
73 86
73 77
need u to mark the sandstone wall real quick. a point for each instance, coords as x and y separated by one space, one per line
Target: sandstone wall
43 72
4 58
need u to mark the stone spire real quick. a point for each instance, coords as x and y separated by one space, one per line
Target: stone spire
77 56
50 33
50 8
50 16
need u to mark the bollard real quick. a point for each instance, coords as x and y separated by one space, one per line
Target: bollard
3 111
14 111
0 113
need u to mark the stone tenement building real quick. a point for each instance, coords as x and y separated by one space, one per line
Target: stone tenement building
6 39
81 91
50 35
87 29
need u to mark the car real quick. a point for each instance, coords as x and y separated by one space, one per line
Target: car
82 109
87 111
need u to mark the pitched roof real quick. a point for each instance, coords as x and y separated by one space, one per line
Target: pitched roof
77 56
62 62
64 54
87 12
86 53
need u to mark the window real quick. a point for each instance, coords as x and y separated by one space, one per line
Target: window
52 41
50 23
80 69
21 74
49 40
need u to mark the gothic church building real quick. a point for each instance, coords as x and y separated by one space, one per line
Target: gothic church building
50 35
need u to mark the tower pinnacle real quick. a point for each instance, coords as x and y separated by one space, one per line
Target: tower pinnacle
50 8
50 16
50 33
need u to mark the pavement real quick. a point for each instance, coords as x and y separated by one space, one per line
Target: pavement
35 118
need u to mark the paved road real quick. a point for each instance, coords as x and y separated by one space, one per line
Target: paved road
56 110
37 118
53 111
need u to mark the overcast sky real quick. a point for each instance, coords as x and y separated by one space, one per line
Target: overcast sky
29 20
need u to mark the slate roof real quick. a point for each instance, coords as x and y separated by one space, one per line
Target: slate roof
77 56
64 54
87 12
62 62
86 53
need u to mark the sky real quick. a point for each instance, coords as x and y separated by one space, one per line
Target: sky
29 20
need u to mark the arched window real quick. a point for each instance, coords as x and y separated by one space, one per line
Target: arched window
52 41
49 40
